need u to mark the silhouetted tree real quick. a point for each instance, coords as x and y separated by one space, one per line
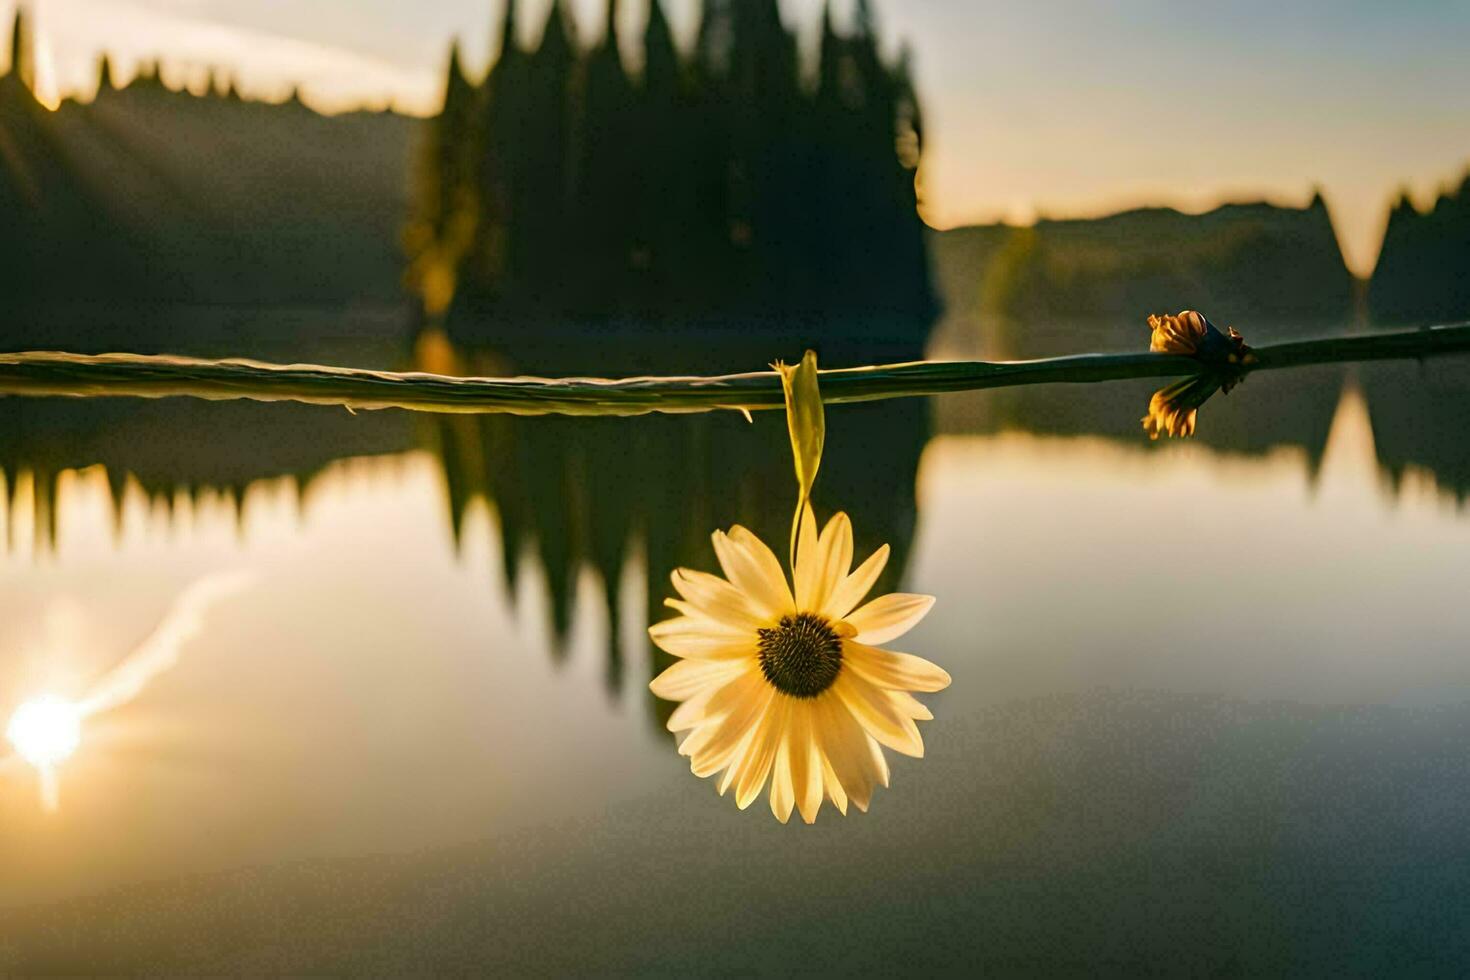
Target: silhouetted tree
493 262
22 49
543 169
607 166
147 75
442 228
722 194
1423 271
670 240
105 80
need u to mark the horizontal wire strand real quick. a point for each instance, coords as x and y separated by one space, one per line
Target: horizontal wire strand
49 373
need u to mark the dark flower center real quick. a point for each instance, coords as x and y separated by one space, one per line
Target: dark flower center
801 656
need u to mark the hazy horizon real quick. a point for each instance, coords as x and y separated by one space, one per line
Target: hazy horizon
1063 112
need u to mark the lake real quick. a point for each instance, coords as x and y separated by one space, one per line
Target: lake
1209 711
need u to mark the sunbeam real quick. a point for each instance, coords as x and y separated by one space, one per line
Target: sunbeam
161 650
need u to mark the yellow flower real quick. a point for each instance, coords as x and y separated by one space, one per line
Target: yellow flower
791 684
1180 334
1172 410
1225 356
1193 334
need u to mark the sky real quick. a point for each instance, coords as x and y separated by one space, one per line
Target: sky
1055 108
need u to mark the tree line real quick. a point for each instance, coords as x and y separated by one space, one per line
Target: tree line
724 184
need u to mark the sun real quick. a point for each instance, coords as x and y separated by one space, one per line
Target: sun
45 732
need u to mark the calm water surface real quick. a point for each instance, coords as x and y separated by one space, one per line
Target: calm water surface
1210 704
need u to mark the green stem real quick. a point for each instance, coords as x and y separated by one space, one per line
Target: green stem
42 373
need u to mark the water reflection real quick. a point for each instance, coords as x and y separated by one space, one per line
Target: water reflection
588 493
601 496
1418 411
1282 749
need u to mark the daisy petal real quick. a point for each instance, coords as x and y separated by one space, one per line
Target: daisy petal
833 785
852 589
739 756
696 711
723 737
877 764
845 747
715 598
805 763
753 569
829 570
692 713
688 678
889 617
761 754
782 796
723 742
694 638
911 706
737 734
879 715
808 560
892 670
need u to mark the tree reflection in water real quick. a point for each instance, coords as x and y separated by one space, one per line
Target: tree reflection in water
570 495
588 493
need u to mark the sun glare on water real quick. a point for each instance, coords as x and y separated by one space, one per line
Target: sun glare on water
45 732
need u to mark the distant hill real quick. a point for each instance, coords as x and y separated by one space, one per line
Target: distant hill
1423 272
1246 261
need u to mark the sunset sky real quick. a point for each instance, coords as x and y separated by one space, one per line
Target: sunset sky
1062 108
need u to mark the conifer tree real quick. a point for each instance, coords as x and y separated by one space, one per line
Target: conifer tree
22 50
606 168
666 249
540 229
492 262
443 226
105 80
718 191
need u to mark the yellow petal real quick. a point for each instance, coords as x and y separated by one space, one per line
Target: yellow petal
844 744
721 742
731 742
910 705
782 796
889 617
687 637
892 670
879 715
739 757
806 762
833 785
877 764
697 710
852 589
757 763
725 735
807 569
692 713
831 559
715 598
687 678
754 570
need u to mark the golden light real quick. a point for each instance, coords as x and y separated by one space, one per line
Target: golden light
45 732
